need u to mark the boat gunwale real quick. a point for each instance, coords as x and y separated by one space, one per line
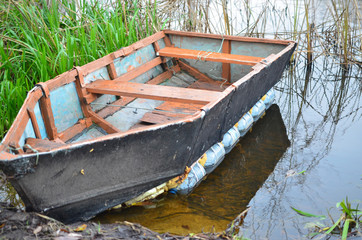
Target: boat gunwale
70 76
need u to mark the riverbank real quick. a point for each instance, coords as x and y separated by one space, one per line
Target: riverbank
15 224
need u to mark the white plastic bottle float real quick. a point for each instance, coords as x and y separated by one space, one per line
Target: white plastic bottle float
213 156
230 139
245 124
268 98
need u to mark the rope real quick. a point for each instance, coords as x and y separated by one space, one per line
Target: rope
35 151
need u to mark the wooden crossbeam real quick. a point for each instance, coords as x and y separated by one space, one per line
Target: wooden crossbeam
156 92
209 56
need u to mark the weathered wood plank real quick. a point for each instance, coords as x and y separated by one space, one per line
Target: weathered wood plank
42 145
176 107
155 92
47 113
203 81
226 48
112 70
208 56
34 122
227 37
109 128
75 129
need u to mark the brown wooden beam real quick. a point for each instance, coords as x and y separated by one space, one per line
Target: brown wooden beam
208 56
155 92
226 37
47 112
109 128
34 123
112 70
75 129
226 48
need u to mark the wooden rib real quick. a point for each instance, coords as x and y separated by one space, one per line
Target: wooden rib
109 128
47 113
167 41
81 93
112 70
227 37
160 78
90 97
209 56
75 129
226 48
155 92
194 72
34 122
139 70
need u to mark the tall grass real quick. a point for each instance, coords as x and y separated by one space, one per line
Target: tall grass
41 39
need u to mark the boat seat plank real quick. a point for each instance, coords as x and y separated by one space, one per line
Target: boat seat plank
208 56
41 145
156 92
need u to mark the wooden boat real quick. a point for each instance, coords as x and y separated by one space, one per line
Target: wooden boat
104 133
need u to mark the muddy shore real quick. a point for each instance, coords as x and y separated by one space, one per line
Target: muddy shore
16 224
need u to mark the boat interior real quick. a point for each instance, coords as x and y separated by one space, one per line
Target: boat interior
167 77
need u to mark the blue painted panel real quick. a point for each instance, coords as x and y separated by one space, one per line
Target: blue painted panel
154 72
92 132
66 107
135 60
250 49
101 73
161 43
102 101
211 69
255 49
40 121
125 118
28 132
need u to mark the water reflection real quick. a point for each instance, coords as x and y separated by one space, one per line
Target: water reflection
321 109
225 193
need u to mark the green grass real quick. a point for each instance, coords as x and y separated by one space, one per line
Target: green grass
40 41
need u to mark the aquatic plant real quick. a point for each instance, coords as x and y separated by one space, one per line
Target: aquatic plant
347 224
